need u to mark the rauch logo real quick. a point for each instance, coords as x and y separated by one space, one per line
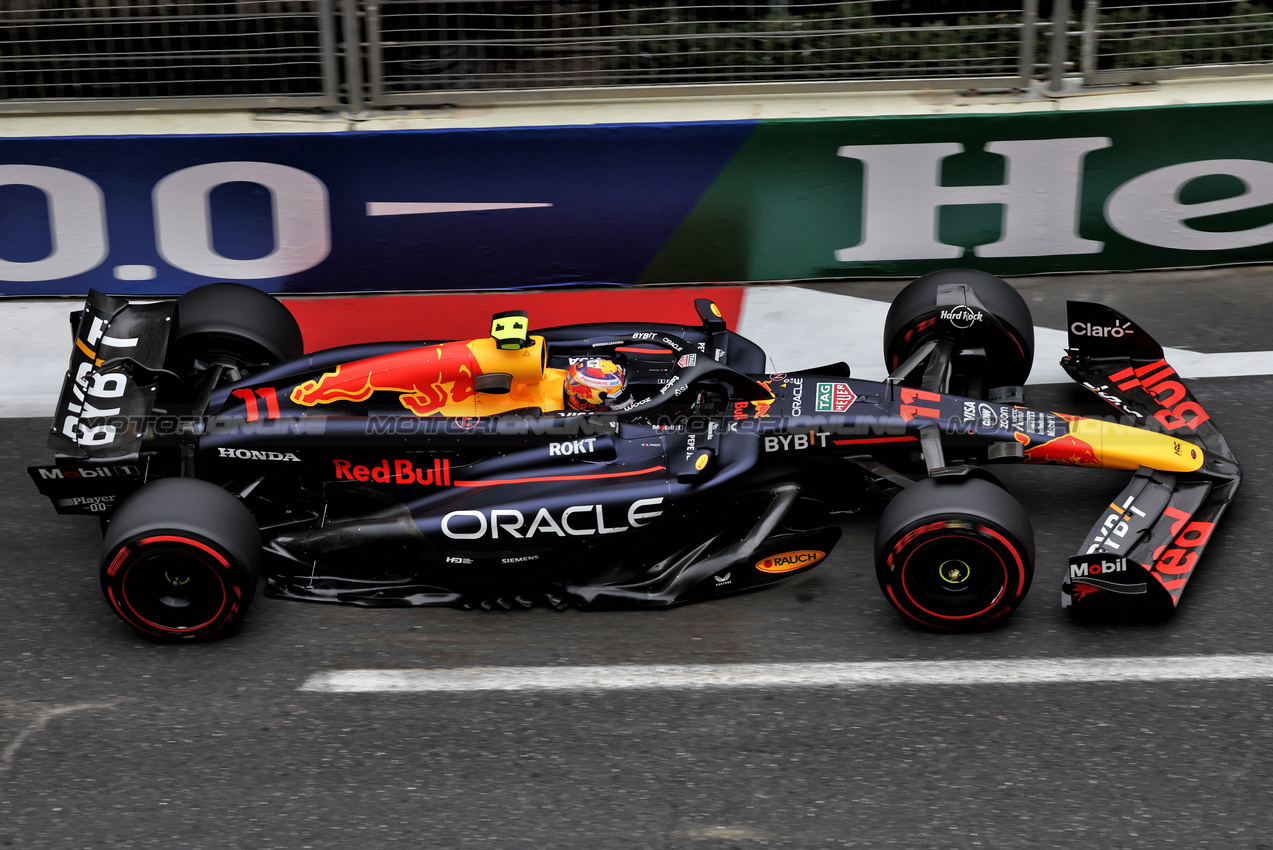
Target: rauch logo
788 561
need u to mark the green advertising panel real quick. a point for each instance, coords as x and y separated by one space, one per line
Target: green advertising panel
1032 193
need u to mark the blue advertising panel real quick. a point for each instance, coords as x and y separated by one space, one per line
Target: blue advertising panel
1010 192
337 212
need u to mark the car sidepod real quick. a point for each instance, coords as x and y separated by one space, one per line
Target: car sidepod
569 510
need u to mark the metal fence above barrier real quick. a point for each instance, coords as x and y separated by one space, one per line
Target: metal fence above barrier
124 54
1133 43
463 51
95 55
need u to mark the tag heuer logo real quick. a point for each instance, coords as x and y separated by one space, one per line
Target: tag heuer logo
834 398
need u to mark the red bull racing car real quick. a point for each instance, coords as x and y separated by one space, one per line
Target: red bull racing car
609 465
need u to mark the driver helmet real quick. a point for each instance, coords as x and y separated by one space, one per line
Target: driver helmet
592 384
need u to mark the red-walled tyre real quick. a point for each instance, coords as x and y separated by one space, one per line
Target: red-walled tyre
180 560
954 553
914 318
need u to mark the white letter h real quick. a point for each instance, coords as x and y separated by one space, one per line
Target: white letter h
1040 196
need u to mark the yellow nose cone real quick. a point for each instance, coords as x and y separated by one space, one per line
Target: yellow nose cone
1092 442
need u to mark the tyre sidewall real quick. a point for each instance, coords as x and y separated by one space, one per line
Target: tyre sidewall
205 533
232 320
1010 355
975 512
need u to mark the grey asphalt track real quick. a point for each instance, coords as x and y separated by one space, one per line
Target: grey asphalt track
107 740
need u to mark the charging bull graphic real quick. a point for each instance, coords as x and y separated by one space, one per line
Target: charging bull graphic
1067 449
1109 445
429 379
446 379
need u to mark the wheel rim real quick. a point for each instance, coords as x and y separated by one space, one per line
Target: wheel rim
173 585
956 570
247 356
1005 347
954 574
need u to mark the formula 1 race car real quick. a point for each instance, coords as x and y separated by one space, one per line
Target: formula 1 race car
608 465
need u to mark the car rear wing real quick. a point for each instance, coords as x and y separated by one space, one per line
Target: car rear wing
109 389
1145 547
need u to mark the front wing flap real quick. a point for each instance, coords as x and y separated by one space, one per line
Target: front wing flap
1142 551
1145 547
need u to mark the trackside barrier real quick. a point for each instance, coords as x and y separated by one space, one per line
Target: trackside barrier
1015 192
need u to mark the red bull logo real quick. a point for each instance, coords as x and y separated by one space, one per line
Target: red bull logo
1067 449
396 472
580 391
428 379
761 407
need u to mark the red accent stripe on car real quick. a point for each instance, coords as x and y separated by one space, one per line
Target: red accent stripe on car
875 440
494 481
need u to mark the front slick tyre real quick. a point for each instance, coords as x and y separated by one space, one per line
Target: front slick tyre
180 560
954 553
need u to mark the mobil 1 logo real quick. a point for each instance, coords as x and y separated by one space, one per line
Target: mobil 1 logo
1097 565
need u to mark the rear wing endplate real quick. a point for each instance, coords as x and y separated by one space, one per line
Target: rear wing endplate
109 391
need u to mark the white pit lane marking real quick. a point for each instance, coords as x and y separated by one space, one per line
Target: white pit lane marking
1178 668
39 723
851 329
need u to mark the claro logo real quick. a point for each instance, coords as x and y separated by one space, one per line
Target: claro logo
788 561
574 521
1116 330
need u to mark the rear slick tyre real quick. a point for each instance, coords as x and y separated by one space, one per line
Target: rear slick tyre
234 324
913 320
180 560
955 554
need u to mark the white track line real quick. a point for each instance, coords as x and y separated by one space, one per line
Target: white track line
1180 668
805 328
35 348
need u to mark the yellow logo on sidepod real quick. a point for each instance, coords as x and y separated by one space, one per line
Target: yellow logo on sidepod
788 561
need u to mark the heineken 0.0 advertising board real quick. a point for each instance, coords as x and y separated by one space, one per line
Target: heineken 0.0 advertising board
1020 193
